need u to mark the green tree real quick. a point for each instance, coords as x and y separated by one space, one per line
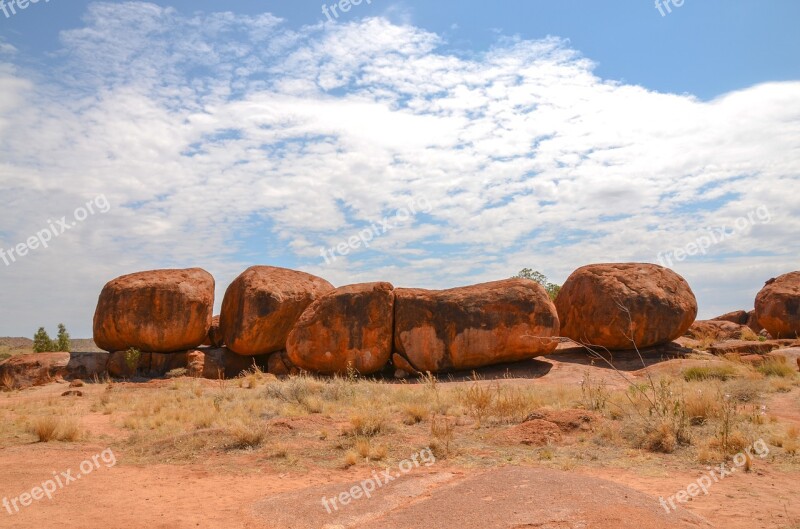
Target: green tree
42 342
534 275
63 338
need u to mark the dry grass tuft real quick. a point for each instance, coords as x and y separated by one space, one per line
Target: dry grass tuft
776 367
50 428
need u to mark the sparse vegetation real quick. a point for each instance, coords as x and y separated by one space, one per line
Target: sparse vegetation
777 367
716 372
51 428
132 359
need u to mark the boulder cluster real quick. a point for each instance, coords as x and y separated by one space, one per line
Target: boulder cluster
286 321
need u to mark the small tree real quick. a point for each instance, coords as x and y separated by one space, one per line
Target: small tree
63 338
42 342
534 275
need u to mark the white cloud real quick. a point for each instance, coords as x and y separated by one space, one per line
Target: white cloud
222 140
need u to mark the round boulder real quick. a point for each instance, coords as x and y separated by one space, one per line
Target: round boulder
470 327
778 306
347 328
619 306
159 311
262 305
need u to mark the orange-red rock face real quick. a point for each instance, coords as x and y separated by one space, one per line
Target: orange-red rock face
156 311
349 327
618 305
716 329
475 326
214 338
262 305
778 306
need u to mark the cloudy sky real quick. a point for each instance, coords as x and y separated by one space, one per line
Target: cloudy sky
460 140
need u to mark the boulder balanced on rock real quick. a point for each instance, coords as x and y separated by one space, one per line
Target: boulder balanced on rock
158 311
619 306
262 305
347 328
778 306
475 326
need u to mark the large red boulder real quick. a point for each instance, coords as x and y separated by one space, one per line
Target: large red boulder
778 306
619 306
471 327
158 311
262 305
347 328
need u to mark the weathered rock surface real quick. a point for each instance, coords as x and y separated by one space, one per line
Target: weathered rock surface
214 337
618 305
778 306
475 326
717 330
347 328
746 347
737 316
278 364
23 371
262 305
158 311
221 362
87 365
205 362
34 369
790 354
126 364
500 498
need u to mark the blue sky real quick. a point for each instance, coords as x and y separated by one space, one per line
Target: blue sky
489 136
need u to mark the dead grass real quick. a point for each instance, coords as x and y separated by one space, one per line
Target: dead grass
715 372
777 367
50 428
749 335
346 421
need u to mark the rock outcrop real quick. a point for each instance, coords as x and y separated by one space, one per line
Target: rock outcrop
716 330
347 328
475 326
262 305
617 306
158 311
778 306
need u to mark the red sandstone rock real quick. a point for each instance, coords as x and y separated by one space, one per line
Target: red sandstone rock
475 326
262 305
347 328
158 311
618 305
